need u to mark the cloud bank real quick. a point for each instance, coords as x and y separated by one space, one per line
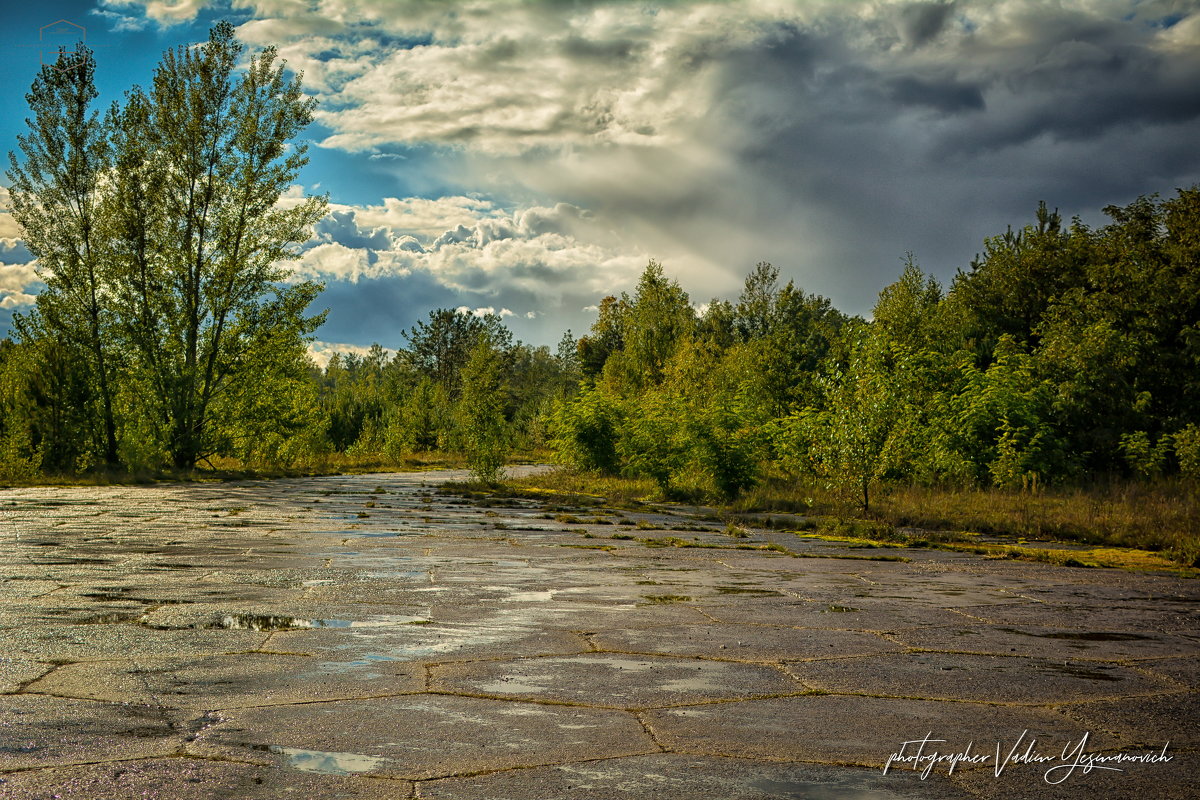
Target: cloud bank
572 141
829 137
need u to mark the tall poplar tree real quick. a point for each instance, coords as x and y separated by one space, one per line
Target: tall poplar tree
56 199
202 160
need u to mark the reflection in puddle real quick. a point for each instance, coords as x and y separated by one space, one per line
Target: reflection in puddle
260 622
754 592
327 763
113 597
365 660
273 622
839 610
110 619
526 597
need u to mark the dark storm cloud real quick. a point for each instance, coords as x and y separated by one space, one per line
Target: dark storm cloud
377 309
921 22
827 137
945 96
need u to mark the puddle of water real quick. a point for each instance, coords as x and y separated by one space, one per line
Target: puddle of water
110 619
113 597
754 592
839 610
260 622
527 597
278 622
364 661
327 763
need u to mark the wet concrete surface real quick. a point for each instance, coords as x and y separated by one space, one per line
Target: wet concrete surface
370 637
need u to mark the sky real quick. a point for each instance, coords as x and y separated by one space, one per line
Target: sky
529 158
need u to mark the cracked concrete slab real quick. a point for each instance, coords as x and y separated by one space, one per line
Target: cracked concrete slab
676 777
431 642
1173 780
16 673
227 682
836 612
839 729
190 779
1090 617
994 679
1142 720
422 736
1059 643
745 642
368 636
614 680
91 642
41 731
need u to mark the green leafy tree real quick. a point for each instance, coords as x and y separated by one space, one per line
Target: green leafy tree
1010 286
606 337
848 443
419 421
484 432
198 232
442 346
585 430
20 457
276 421
873 425
659 317
57 195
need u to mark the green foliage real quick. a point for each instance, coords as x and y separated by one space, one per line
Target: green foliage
159 237
277 423
725 451
57 195
1146 459
1187 451
585 431
442 346
418 422
19 456
659 317
198 236
1001 420
483 431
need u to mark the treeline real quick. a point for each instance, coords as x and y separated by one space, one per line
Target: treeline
459 383
1063 354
